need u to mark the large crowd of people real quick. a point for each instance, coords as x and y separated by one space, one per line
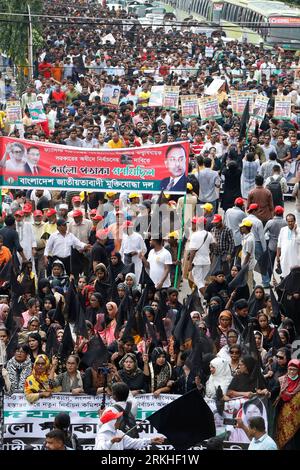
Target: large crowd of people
88 298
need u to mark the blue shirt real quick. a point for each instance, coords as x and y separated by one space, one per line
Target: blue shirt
265 442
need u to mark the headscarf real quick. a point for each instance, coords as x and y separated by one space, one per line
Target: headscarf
116 269
256 304
38 381
136 369
256 332
222 377
133 277
2 316
159 375
289 387
225 314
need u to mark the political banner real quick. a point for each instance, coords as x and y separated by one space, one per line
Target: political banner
260 107
27 164
282 108
239 100
157 94
13 112
253 121
111 95
214 87
189 106
209 108
37 113
171 97
26 424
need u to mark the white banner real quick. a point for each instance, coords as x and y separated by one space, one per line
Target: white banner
27 424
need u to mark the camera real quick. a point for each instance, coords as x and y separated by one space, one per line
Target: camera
229 421
104 370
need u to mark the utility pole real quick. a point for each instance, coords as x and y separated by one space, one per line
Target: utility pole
30 50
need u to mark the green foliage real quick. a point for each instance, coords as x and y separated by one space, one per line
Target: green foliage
14 29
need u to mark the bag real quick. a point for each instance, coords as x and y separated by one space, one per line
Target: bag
275 187
127 421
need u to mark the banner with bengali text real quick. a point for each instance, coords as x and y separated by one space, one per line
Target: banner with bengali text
282 108
171 97
189 106
209 108
26 424
63 167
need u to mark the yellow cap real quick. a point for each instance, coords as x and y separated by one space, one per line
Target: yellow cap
167 196
132 195
4 191
173 234
110 193
246 223
189 186
207 207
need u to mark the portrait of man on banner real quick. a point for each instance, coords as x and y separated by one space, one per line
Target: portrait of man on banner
175 162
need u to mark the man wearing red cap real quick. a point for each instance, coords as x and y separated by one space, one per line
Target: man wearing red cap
272 230
109 436
50 226
38 230
76 202
132 245
232 219
224 246
263 197
199 261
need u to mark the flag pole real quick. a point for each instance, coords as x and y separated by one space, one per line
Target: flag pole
180 243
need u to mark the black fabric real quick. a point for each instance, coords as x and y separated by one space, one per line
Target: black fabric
186 421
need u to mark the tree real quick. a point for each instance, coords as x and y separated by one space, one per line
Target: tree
14 29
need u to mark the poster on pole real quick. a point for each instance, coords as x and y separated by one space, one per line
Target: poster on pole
171 98
209 108
282 108
37 113
260 107
214 87
111 95
146 169
13 112
189 106
239 100
156 97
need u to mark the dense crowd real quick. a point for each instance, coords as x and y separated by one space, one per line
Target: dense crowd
91 293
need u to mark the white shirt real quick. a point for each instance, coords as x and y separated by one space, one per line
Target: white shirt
157 261
59 245
196 243
289 242
265 442
248 246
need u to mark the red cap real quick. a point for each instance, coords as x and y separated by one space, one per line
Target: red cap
217 218
110 415
37 213
50 212
239 201
20 213
27 208
127 223
97 217
199 220
77 213
117 202
93 212
253 207
279 210
102 233
76 199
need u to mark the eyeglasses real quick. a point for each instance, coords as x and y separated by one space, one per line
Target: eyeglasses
280 357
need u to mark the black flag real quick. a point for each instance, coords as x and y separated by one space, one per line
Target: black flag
97 352
67 343
240 280
58 315
186 421
244 121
